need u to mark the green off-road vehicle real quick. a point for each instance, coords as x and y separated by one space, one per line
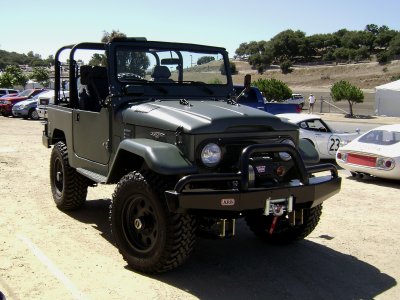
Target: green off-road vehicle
186 157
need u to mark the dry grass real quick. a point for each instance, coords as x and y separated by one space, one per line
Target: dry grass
363 75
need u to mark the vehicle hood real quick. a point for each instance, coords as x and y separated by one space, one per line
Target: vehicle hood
26 102
378 150
14 99
203 117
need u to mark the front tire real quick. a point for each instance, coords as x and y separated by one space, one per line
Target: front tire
69 188
284 232
33 114
150 238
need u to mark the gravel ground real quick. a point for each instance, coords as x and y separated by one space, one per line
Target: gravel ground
354 253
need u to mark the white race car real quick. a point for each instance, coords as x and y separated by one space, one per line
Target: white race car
314 129
376 153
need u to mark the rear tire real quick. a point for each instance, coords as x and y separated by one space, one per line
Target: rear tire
284 232
69 188
150 238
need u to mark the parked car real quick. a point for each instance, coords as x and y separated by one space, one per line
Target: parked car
27 108
296 99
47 98
6 104
6 92
325 139
376 153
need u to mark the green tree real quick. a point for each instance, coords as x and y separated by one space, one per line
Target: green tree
384 38
383 57
128 61
98 60
273 89
341 54
261 59
374 29
287 45
394 45
6 80
41 75
343 90
12 76
261 62
205 59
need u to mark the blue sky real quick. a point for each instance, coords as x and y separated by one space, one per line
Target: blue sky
43 26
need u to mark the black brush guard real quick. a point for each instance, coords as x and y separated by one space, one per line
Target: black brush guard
308 191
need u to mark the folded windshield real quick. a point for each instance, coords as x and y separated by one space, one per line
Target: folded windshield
164 66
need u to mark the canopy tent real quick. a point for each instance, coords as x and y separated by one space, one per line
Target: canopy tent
387 99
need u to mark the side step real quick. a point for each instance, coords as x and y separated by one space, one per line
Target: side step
92 175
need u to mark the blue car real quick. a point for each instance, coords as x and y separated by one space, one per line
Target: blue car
26 109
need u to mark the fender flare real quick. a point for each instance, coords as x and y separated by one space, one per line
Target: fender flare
162 158
308 152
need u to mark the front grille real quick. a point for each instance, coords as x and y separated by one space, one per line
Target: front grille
233 149
44 101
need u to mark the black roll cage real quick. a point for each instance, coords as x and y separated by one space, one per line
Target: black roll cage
111 68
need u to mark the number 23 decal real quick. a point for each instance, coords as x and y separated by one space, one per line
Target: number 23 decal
333 143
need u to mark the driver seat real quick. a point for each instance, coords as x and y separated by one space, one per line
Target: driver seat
161 74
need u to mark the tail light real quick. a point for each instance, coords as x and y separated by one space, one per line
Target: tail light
385 163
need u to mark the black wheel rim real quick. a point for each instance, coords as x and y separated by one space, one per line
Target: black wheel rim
58 176
140 226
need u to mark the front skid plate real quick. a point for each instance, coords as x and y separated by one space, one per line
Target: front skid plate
318 190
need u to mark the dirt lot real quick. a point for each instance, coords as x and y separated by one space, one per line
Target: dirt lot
354 253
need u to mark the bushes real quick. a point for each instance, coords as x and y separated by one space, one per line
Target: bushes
273 89
232 67
286 66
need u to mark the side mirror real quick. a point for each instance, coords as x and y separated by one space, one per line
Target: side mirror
247 81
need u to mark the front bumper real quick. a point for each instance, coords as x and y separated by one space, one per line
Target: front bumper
307 191
42 111
5 109
20 112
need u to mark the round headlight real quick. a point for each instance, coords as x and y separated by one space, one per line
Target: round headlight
284 155
211 155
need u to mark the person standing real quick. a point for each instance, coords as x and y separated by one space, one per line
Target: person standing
311 102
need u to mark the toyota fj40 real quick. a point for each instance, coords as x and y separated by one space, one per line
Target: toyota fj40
186 157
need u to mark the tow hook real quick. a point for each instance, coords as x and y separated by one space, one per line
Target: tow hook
277 208
273 224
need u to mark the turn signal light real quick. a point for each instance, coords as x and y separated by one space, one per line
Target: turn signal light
280 171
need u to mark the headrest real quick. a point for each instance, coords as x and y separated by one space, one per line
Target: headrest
161 72
85 73
99 72
90 72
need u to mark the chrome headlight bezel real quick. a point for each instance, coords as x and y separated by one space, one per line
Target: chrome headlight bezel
284 155
211 155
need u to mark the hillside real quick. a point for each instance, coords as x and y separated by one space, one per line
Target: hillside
363 75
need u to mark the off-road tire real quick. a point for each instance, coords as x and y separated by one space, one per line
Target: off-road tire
284 232
69 188
150 238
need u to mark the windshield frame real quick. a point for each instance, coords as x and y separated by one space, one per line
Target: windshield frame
187 89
